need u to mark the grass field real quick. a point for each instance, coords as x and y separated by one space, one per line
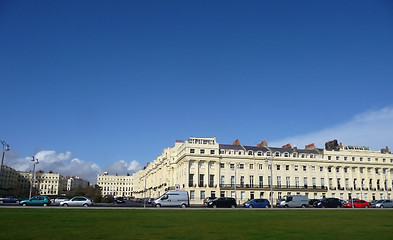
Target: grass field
53 223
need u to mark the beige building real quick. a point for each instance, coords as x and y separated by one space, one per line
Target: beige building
46 183
206 168
114 185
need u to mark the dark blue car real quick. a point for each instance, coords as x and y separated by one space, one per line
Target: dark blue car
257 203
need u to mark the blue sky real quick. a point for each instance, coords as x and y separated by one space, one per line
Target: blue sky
93 86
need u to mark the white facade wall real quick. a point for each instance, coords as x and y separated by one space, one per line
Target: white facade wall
205 168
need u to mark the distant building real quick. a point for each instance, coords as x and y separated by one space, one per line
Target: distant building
75 182
114 185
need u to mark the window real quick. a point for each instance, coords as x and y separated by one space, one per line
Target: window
260 181
278 167
192 150
222 165
345 158
304 168
212 151
287 167
259 153
242 181
211 180
322 182
222 180
337 169
361 159
345 169
295 155
337 158
251 181
313 168
232 181
321 169
192 194
297 182
260 166
202 151
201 180
242 195
277 154
202 195
279 181
251 166
353 158
305 182
250 153
232 166
296 167
241 166
286 154
329 169
191 180
329 157
288 182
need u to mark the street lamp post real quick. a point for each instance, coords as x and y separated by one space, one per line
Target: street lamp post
35 162
6 147
271 180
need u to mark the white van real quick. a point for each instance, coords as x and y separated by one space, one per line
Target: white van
294 201
173 199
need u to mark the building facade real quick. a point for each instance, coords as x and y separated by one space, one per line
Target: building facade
76 182
114 185
206 168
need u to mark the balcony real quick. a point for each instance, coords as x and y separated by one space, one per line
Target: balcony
275 187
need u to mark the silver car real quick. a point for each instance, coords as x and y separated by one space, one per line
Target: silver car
77 202
384 204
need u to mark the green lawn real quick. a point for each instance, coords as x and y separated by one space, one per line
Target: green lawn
53 223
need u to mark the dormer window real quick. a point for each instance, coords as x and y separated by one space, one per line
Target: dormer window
268 154
259 153
286 154
277 154
250 153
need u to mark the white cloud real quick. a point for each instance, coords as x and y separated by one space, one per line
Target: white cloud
122 167
56 162
372 128
62 163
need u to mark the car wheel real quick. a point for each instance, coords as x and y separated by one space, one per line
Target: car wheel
45 204
250 206
85 205
233 206
214 206
323 206
24 204
286 206
158 205
353 206
366 206
65 205
381 206
1 201
338 206
303 206
267 206
183 206
17 202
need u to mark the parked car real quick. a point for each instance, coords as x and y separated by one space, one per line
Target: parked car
312 201
10 199
36 201
257 203
328 203
223 202
357 204
59 200
172 199
77 202
382 204
208 199
119 200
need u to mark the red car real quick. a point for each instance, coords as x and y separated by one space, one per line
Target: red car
357 204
